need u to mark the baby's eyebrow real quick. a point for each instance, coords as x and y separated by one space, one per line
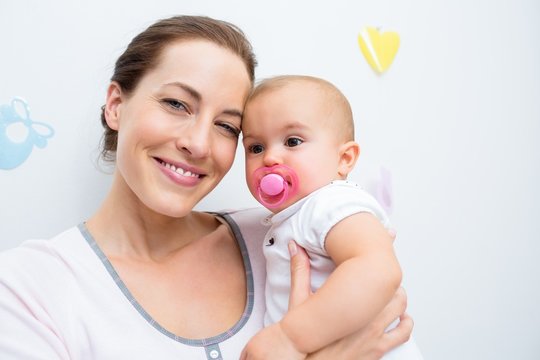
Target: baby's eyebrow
296 125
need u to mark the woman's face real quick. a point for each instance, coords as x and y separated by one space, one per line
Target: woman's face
178 130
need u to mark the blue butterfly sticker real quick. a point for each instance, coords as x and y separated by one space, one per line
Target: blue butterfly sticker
19 134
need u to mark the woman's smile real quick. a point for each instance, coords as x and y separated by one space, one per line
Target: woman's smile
180 173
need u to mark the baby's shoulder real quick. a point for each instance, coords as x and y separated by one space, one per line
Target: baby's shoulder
339 192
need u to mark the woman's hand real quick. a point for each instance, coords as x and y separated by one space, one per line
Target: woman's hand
271 343
371 342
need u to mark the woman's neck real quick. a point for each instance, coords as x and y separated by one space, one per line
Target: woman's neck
125 227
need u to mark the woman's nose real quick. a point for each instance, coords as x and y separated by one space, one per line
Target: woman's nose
195 138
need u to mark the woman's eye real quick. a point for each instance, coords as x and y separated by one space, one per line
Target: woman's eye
233 130
175 104
256 149
293 141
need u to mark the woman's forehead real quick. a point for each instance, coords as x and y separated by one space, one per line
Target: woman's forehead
200 64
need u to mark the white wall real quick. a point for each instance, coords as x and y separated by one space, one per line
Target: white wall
456 120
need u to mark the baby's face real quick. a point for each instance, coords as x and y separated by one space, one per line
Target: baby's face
290 126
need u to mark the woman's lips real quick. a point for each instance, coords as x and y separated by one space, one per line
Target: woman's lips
180 173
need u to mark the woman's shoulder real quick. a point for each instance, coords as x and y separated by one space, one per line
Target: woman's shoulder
248 219
254 214
249 226
37 260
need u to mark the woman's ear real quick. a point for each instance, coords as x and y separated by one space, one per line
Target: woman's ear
348 154
113 105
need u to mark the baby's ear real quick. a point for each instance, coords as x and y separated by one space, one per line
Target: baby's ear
348 154
113 104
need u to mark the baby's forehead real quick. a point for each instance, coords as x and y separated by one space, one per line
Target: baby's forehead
294 93
293 97
301 94
314 87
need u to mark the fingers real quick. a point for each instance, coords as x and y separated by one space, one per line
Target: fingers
407 324
300 275
400 334
392 233
393 310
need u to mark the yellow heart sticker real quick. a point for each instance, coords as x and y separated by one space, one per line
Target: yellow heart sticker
378 48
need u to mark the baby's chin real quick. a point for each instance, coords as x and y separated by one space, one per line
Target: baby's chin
287 203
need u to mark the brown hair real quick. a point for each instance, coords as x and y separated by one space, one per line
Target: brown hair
142 55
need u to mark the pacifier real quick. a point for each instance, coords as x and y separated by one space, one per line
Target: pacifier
272 184
275 185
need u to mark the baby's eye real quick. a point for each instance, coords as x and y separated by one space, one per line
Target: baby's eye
256 148
293 141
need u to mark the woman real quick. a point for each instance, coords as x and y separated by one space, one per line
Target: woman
146 276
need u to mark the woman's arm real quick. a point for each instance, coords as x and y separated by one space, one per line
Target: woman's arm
26 331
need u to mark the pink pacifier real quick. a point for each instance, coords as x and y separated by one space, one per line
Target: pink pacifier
272 184
275 185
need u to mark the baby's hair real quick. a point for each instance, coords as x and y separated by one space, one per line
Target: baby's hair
341 107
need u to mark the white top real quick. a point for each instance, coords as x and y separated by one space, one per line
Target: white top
308 221
62 299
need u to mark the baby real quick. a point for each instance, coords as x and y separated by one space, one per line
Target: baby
298 135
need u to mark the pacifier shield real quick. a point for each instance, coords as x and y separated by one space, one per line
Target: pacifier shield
274 185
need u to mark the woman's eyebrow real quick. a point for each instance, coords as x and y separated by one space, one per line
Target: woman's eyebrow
234 112
191 91
197 96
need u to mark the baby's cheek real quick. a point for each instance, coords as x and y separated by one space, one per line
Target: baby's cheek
249 179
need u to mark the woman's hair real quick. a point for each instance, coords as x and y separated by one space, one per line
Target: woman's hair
143 53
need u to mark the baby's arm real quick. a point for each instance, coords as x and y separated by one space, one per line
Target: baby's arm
370 342
365 279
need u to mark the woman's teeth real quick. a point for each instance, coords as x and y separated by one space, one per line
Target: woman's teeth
179 170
